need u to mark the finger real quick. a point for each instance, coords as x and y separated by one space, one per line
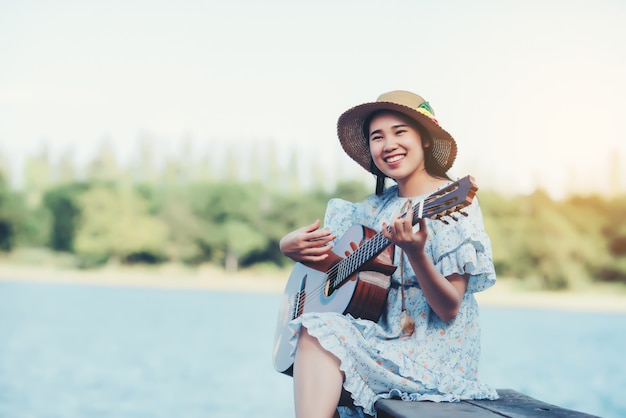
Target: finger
315 258
422 224
386 230
315 225
408 219
320 242
398 226
319 234
390 232
402 230
314 251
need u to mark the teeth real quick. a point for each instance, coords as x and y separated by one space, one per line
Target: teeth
394 159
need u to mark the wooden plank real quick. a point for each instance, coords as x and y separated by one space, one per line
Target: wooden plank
394 408
511 404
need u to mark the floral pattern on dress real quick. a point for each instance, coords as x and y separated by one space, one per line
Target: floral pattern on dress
439 362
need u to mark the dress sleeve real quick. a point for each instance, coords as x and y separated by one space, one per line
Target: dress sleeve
463 246
340 215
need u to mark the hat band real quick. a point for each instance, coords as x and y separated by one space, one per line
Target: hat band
426 110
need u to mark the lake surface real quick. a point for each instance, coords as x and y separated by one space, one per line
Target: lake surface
75 351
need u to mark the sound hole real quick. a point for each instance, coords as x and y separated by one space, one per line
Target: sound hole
331 284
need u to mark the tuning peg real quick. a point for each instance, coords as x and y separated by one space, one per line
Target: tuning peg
464 213
453 217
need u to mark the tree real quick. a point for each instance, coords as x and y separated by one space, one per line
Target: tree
104 166
65 172
116 223
9 216
554 245
186 230
144 170
37 175
234 214
62 203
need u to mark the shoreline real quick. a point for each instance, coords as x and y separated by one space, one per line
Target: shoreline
503 294
206 278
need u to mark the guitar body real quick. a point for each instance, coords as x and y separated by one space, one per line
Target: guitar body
310 289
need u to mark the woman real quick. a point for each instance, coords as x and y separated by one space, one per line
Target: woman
426 343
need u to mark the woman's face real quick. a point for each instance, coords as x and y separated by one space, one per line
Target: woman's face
396 146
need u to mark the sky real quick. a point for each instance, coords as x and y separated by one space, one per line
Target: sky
533 91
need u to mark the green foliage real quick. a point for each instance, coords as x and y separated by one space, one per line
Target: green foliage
8 221
185 229
115 223
62 204
19 225
352 191
550 244
235 220
554 245
35 229
613 233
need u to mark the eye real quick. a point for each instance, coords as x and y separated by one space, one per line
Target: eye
375 137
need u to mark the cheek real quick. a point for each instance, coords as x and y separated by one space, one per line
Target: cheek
375 149
376 155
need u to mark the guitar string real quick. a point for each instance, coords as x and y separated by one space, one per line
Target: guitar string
340 271
364 250
361 251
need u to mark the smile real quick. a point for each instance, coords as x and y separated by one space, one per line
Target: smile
394 158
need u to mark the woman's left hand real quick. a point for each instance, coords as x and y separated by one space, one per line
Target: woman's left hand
400 232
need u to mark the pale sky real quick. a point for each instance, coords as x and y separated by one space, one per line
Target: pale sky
533 91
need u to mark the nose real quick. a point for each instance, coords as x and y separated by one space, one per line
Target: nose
390 144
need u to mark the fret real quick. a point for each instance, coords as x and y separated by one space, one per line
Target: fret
441 203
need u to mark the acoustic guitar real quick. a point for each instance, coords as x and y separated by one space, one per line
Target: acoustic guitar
355 278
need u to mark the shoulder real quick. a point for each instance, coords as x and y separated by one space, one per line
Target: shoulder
386 196
366 212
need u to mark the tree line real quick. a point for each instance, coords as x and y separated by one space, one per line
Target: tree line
553 244
198 208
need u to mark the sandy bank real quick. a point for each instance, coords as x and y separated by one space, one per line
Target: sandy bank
504 294
206 278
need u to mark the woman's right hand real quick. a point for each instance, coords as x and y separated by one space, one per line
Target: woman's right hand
307 244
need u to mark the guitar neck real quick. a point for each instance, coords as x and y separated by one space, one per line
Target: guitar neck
444 202
366 252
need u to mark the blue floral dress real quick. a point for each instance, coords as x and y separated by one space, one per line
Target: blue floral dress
439 362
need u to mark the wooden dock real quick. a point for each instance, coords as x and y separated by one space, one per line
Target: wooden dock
511 404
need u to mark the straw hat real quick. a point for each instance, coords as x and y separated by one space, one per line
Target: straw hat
354 139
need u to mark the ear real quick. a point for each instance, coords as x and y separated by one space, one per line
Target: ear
427 143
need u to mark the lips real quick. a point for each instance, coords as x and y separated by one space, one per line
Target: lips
394 158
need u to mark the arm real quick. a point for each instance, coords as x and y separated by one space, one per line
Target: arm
443 294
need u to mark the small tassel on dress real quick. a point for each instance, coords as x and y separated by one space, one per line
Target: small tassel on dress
407 324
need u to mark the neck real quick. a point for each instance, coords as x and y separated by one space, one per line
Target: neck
421 183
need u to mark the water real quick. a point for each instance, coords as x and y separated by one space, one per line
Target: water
71 351
571 359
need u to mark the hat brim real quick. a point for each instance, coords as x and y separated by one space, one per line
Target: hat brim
356 145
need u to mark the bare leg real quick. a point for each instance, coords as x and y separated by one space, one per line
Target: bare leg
317 380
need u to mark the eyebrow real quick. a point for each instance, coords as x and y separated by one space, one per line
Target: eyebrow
400 125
